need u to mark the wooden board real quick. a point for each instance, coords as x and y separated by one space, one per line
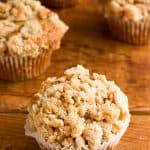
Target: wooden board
89 44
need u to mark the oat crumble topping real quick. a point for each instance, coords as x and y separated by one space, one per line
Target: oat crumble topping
135 10
78 110
27 28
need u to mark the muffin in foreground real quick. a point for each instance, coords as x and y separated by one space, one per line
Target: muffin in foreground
128 20
29 33
78 111
59 3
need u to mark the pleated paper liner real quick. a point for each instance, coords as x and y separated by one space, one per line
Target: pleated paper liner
111 144
15 68
59 3
132 32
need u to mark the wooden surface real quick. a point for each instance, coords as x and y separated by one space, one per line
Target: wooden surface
89 44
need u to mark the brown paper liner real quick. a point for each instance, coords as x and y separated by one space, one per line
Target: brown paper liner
59 3
129 31
14 68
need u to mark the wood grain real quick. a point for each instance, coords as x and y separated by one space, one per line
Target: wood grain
87 43
12 134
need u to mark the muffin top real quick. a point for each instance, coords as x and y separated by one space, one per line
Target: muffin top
134 10
27 28
78 111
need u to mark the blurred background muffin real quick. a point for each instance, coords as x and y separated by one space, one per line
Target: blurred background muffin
59 3
128 20
29 33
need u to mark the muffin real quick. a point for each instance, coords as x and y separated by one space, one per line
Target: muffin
128 20
29 33
59 3
78 111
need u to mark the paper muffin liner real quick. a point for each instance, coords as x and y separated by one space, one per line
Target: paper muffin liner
15 68
105 146
130 31
60 3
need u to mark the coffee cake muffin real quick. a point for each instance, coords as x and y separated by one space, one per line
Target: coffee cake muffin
128 20
59 3
78 111
29 33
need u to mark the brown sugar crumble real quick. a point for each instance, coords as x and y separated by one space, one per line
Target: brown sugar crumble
27 28
134 10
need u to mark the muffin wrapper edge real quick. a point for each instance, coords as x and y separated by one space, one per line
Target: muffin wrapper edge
15 68
132 32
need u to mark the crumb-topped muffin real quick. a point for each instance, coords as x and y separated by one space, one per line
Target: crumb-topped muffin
129 20
78 111
134 10
29 33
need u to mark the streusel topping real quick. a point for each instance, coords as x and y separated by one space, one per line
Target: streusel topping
27 28
78 110
134 10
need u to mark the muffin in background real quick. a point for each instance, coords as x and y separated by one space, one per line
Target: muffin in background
128 20
29 33
78 111
59 3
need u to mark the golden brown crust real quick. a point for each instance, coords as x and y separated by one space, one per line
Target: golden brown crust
28 28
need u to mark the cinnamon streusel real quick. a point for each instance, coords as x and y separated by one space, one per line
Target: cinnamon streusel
78 111
134 10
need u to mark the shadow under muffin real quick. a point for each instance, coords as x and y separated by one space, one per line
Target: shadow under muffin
59 3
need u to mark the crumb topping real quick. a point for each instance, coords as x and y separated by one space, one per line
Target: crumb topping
78 110
134 10
27 28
